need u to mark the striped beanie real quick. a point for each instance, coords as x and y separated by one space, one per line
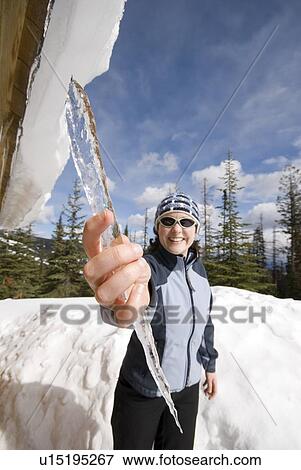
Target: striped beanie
178 201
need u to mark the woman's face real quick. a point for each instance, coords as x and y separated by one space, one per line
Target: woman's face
176 239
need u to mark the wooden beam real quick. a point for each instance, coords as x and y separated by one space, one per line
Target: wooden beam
18 50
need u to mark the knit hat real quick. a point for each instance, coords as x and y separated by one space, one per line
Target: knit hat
178 201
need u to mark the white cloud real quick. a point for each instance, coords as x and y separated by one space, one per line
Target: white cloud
136 220
214 173
152 160
260 186
281 240
269 214
46 215
152 195
212 216
136 235
281 160
297 143
297 163
255 186
182 135
265 97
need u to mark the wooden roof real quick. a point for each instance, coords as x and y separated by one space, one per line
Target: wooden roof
21 32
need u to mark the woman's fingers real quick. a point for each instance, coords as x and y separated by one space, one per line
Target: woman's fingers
93 229
102 265
118 269
139 298
121 280
210 386
121 239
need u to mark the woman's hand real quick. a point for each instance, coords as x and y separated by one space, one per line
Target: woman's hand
210 385
112 271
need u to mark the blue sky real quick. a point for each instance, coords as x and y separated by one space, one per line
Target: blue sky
173 68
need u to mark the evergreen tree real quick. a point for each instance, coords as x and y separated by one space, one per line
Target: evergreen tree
145 231
75 258
56 275
231 240
258 248
42 256
25 274
209 256
7 265
208 233
274 255
289 208
126 230
236 265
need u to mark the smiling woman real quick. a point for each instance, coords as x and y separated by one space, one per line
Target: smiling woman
178 292
176 232
176 238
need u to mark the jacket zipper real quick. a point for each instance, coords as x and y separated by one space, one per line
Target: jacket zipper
193 325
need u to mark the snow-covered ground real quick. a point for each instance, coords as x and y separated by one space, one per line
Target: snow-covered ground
57 379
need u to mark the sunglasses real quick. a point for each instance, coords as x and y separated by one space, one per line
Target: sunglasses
171 222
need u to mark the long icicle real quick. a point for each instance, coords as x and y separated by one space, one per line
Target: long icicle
85 151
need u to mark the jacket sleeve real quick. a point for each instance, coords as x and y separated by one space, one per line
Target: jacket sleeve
207 354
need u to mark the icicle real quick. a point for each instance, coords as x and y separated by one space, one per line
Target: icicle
85 151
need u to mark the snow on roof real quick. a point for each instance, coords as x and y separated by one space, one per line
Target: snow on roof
78 42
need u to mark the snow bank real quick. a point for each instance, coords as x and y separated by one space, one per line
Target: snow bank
58 380
79 42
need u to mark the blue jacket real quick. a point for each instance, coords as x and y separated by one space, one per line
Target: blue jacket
179 312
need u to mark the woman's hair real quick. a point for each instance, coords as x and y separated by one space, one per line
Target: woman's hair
154 245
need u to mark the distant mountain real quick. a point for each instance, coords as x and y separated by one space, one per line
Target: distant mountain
45 243
40 243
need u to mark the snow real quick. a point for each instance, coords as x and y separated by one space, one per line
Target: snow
58 379
78 42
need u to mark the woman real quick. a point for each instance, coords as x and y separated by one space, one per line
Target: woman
171 282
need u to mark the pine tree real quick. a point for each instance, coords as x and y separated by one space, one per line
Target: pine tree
145 231
7 265
231 239
205 217
56 275
274 255
208 233
289 208
209 256
42 256
126 230
258 248
25 274
237 265
75 284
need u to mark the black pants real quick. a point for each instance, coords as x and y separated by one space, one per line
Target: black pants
139 422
